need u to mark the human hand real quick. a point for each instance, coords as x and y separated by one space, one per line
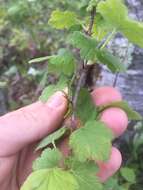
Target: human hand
21 130
19 133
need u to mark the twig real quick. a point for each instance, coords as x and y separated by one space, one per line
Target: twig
73 79
79 84
115 80
93 13
83 74
76 95
82 77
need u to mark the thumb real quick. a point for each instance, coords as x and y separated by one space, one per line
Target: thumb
31 123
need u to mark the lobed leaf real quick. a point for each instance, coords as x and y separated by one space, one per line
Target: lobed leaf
108 9
86 44
93 141
120 20
62 63
63 19
50 179
49 158
89 51
85 174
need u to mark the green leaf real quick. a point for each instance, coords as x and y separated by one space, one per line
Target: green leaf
133 30
63 62
112 62
51 138
51 89
50 179
75 28
40 59
120 20
128 174
85 174
132 115
111 184
49 158
86 44
48 91
93 141
108 9
89 51
63 19
89 167
85 108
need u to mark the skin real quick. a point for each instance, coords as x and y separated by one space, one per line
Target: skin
119 121
105 95
22 129
108 168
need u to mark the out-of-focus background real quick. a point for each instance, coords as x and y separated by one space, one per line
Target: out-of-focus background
25 34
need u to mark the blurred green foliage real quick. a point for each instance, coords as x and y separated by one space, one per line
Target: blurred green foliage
25 34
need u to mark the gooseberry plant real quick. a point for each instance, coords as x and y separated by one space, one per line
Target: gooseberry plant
89 139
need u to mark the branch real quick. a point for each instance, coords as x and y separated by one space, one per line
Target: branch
81 81
115 80
93 13
83 75
79 85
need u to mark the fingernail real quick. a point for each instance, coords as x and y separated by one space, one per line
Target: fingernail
56 100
